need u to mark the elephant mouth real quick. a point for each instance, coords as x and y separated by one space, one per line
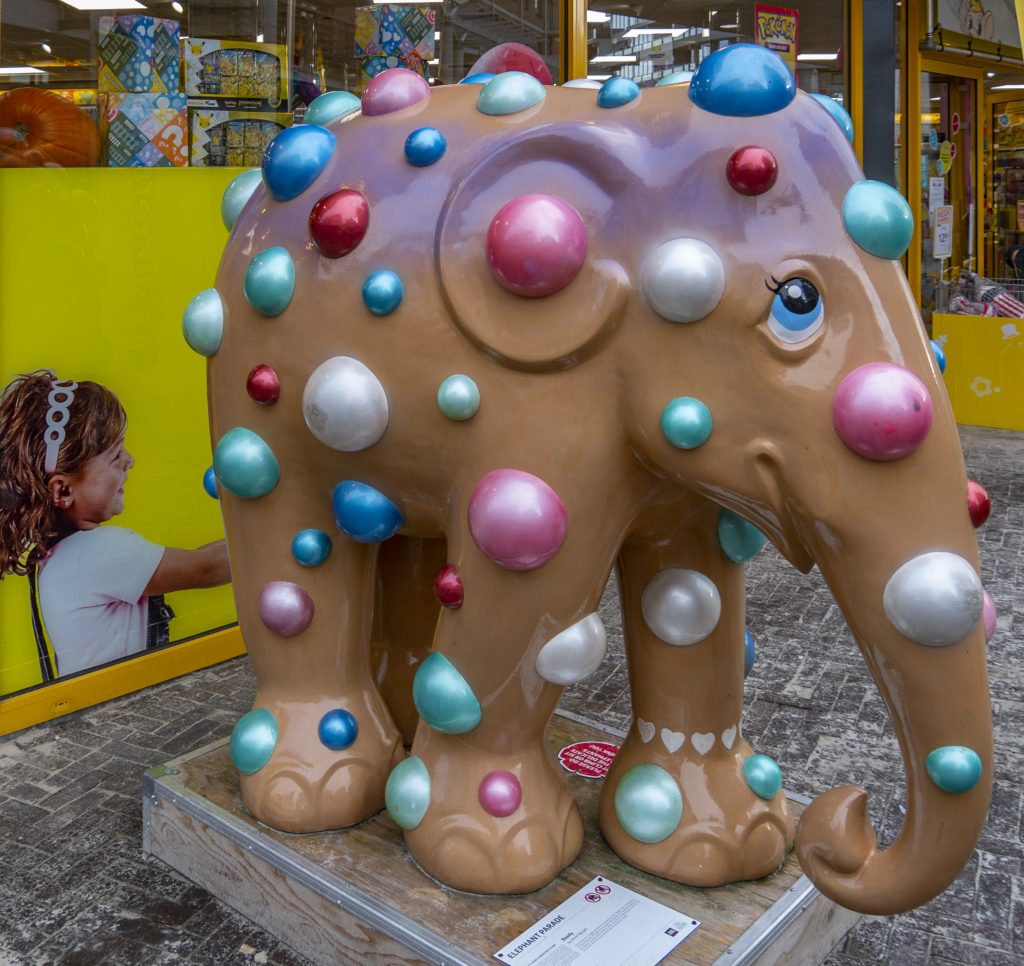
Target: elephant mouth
777 519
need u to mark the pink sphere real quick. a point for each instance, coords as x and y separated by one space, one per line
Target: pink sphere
516 519
393 89
285 608
500 793
882 411
536 245
988 615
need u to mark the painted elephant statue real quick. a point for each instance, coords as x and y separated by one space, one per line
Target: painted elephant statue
472 347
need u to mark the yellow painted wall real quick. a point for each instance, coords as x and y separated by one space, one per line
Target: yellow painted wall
96 268
984 368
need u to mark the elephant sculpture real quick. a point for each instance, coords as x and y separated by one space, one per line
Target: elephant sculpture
471 347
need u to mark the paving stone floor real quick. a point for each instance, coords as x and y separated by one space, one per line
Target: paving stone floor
76 889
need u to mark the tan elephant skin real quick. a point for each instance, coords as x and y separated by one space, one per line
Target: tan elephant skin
573 387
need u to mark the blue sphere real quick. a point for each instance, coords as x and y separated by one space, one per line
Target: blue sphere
749 653
743 80
311 547
365 514
295 158
382 292
481 78
424 146
210 483
617 91
940 355
838 113
338 729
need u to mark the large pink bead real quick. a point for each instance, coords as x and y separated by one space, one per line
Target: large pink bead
285 608
500 793
393 89
517 520
988 616
536 245
882 411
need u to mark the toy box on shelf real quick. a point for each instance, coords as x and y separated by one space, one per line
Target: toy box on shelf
138 55
392 35
232 138
248 75
144 130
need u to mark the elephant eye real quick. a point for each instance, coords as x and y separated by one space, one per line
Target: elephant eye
797 310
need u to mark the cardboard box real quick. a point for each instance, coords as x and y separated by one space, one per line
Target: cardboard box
144 130
252 76
138 55
232 139
394 35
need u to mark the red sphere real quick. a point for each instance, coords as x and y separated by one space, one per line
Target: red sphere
448 587
338 222
752 170
979 506
264 385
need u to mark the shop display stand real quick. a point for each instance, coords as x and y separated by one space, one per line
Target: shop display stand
356 896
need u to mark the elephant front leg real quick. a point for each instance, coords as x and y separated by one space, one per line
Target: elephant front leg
316 750
686 798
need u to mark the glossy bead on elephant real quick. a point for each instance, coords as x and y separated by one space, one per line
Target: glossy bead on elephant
471 346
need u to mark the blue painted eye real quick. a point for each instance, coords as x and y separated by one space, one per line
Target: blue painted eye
797 310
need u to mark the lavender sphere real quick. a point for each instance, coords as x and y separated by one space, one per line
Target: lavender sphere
285 608
517 520
882 411
500 793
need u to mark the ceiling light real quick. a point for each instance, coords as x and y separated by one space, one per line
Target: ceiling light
614 59
437 36
598 77
1009 87
105 4
597 16
834 56
991 73
259 38
652 31
20 70
49 49
729 26
177 7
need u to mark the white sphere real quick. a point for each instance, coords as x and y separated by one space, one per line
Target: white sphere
345 405
935 599
574 653
585 82
681 607
683 280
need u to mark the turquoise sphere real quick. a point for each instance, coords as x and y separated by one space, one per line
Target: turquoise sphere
617 91
407 793
739 539
648 803
311 548
458 397
838 113
509 93
878 218
270 281
253 740
237 194
203 322
686 422
763 776
244 464
954 768
331 106
443 697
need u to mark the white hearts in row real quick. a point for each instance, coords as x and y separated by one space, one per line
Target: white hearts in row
702 741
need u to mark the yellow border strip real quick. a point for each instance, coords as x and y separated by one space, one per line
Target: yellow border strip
855 74
912 140
574 39
63 697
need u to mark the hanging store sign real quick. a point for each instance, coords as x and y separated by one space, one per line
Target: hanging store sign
979 23
776 28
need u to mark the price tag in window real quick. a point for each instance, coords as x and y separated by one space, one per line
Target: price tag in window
942 236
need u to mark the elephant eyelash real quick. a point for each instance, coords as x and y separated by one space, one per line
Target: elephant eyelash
778 285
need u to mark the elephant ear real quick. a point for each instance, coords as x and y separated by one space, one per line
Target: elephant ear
577 164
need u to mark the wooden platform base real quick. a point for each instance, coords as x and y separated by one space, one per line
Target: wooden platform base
356 896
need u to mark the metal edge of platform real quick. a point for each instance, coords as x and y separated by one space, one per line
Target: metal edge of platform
753 943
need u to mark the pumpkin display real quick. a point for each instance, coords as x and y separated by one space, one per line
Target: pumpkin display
40 129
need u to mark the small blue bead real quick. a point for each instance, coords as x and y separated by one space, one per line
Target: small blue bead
954 768
742 80
838 113
424 147
444 698
383 292
338 729
365 514
617 91
331 106
269 282
482 78
878 218
762 775
749 653
739 539
210 483
940 355
311 547
295 158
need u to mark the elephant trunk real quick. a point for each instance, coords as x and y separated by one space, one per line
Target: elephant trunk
922 638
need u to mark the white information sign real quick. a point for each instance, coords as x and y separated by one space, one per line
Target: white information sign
936 193
942 237
603 924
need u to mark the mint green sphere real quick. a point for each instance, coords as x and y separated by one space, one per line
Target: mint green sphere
331 106
763 776
270 281
458 397
877 217
237 194
686 422
648 803
407 793
245 465
954 768
444 698
739 539
203 322
253 740
509 93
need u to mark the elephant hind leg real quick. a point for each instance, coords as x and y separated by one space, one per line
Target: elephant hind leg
685 750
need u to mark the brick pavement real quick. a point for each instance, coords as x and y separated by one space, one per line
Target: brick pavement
76 889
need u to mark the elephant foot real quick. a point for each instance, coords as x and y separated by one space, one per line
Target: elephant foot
726 832
494 825
329 764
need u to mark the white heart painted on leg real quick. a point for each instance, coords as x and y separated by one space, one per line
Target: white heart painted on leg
703 741
729 737
646 729
673 740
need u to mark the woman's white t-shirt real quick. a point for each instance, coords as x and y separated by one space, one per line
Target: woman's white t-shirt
91 596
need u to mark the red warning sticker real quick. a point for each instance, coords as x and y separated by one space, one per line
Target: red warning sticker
588 759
